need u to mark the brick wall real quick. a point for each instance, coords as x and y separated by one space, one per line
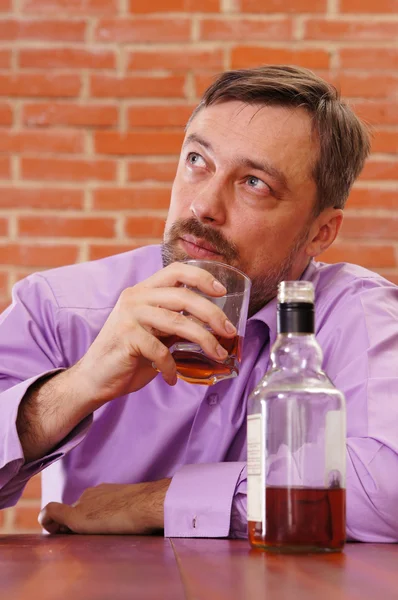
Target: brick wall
93 98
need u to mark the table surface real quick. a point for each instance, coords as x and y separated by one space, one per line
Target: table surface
75 567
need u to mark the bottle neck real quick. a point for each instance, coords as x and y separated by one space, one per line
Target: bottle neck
296 317
296 347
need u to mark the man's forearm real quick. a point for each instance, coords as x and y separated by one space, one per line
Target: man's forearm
49 411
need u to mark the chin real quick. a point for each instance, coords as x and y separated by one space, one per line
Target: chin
171 253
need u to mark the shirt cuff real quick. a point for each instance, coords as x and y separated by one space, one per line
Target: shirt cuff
199 499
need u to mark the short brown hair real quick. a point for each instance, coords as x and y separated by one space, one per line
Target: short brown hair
344 140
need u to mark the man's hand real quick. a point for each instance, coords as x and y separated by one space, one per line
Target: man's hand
110 508
120 359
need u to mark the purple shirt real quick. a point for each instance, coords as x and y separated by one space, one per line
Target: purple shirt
196 434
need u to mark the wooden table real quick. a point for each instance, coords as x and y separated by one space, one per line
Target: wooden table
73 567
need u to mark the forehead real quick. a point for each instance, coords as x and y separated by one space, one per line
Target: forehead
281 135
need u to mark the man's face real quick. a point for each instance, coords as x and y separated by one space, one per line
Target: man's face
244 194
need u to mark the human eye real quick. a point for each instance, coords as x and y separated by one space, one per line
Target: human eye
195 159
257 184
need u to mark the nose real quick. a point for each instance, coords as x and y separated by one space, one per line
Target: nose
209 205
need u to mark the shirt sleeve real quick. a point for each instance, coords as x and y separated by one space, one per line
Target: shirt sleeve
29 349
199 500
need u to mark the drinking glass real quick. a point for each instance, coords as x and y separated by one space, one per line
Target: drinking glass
193 365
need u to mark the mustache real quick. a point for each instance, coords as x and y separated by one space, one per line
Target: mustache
207 233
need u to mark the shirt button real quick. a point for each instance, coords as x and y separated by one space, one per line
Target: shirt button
212 399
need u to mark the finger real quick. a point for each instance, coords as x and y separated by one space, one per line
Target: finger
174 323
180 273
56 517
183 299
147 345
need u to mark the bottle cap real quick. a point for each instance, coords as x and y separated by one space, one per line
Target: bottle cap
295 291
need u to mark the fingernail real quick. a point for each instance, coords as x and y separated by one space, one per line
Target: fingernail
219 287
229 327
222 353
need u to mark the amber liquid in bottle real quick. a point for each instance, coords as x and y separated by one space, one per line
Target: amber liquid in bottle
301 520
196 367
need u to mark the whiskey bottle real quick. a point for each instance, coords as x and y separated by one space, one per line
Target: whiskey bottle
296 429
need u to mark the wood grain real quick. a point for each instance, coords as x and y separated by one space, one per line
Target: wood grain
229 570
74 567
69 567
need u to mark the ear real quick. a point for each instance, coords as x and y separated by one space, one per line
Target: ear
324 230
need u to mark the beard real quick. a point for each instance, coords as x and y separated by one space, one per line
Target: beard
264 287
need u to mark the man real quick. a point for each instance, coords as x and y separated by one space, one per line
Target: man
267 163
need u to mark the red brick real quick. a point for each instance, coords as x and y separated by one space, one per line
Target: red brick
5 303
202 81
75 227
281 6
360 254
104 86
380 169
165 6
40 84
32 490
156 30
380 59
377 113
369 6
183 59
66 58
58 31
5 5
55 169
149 227
25 518
238 28
68 142
5 59
6 114
3 226
175 115
131 198
250 56
96 251
35 255
361 85
71 7
340 29
160 142
365 197
4 280
5 167
62 113
385 141
151 171
2 512
50 198
374 227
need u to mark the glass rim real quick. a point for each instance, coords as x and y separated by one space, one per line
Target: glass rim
224 265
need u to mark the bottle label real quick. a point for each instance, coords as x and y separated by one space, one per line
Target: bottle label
255 469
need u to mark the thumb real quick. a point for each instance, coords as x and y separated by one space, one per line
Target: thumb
56 517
